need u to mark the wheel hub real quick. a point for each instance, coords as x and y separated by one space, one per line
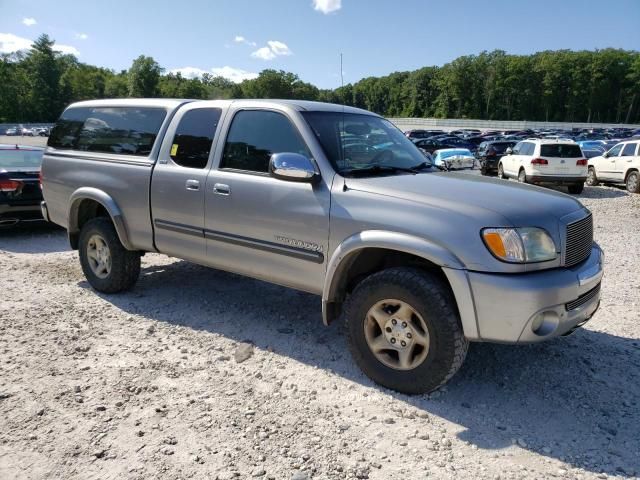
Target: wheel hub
99 256
398 333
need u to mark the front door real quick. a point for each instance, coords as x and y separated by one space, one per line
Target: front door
624 161
258 225
178 183
608 164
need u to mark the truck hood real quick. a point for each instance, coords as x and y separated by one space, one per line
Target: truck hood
521 205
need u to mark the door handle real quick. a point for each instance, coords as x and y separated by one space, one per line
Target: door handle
221 189
193 185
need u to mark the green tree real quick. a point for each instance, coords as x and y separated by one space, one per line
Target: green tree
43 74
144 77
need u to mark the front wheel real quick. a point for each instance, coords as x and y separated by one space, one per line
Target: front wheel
592 179
404 331
633 182
501 171
107 265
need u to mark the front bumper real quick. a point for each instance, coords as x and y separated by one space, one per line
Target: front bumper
555 179
537 306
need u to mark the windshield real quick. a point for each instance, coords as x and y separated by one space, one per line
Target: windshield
20 158
354 142
501 147
455 153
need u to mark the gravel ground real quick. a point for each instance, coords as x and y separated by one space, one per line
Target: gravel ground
198 373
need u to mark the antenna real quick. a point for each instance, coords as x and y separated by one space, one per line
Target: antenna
341 133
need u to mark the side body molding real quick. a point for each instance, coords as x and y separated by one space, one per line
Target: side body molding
104 199
347 251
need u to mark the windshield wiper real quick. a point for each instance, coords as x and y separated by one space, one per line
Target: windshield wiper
421 166
382 169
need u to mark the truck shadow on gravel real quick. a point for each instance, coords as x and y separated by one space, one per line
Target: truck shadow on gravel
575 399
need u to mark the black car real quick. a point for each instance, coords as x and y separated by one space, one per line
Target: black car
489 153
430 145
418 134
20 193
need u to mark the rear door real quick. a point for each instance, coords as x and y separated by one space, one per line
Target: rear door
179 179
562 159
624 161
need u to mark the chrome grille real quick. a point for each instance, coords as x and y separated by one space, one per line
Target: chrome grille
582 299
579 241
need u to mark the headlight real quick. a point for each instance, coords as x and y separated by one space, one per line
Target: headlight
520 245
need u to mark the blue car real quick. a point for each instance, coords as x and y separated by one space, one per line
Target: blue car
592 145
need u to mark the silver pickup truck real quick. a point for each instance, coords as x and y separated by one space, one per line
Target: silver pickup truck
330 200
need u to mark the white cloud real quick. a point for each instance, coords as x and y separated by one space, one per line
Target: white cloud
264 53
278 48
82 36
29 21
327 6
273 49
10 43
66 49
236 75
241 39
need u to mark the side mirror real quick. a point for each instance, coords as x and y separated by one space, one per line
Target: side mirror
508 151
292 167
605 154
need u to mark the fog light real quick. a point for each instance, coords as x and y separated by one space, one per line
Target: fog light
545 323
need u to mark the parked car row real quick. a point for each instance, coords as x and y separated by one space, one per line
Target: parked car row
26 132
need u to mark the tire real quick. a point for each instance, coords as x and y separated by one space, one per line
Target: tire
633 182
576 188
592 179
522 176
119 268
433 307
501 172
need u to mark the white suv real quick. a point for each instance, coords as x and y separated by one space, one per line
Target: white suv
546 161
621 164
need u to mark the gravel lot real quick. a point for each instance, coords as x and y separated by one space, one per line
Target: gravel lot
198 373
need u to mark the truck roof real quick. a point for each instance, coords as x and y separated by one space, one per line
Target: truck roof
300 105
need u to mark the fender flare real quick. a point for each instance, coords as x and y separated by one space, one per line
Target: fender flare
453 268
109 204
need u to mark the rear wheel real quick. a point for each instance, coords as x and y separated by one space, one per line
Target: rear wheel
633 182
403 330
522 176
107 265
576 188
592 179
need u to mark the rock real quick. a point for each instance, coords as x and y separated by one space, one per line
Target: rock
167 451
99 453
40 412
170 441
424 436
389 421
101 408
521 443
300 476
77 389
119 404
151 330
243 352
258 472
83 348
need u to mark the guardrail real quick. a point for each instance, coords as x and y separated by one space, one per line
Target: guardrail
453 124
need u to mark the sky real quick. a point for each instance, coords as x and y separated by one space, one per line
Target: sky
239 38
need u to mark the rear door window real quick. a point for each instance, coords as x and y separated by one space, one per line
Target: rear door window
560 150
194 136
629 150
64 134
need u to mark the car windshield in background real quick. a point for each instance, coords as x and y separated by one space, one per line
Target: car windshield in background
18 158
501 147
355 142
560 150
459 152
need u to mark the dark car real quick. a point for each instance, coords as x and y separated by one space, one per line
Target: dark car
489 153
418 134
20 193
430 145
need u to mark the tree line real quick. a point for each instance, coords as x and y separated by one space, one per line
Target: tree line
570 86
